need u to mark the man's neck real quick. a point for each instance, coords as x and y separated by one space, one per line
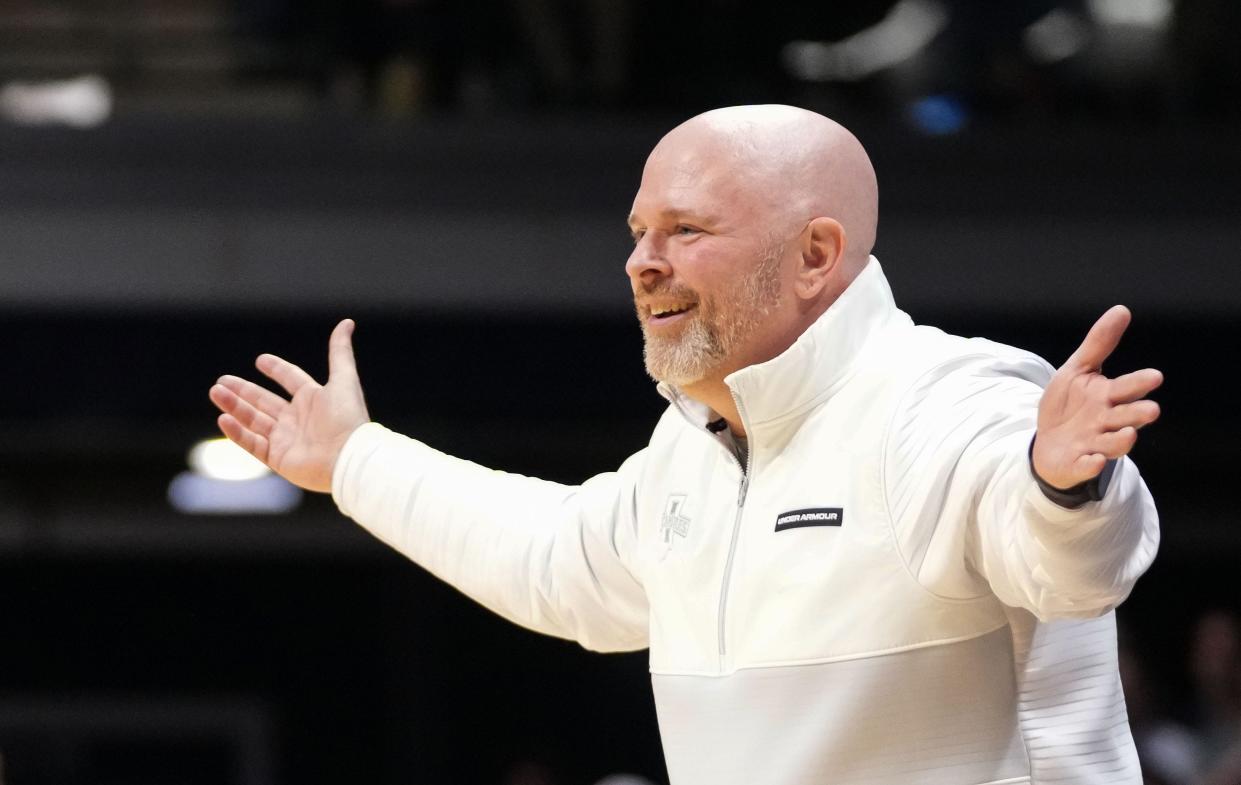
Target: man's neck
715 395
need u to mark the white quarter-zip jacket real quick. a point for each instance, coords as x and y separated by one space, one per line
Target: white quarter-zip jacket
882 596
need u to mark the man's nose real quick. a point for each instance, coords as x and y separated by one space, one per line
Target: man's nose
647 263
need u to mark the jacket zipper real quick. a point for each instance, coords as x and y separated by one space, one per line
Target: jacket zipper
741 492
732 544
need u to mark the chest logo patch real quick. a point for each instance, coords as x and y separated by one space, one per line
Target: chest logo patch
673 521
814 516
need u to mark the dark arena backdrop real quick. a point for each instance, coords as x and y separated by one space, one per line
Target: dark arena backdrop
187 183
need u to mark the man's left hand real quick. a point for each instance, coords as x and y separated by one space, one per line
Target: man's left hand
1085 418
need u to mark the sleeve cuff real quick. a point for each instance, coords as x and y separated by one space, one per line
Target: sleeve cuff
364 439
1092 490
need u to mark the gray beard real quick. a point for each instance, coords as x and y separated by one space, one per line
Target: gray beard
714 330
688 357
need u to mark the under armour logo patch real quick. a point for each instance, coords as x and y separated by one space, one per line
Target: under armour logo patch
815 516
673 522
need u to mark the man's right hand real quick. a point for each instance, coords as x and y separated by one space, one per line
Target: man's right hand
301 438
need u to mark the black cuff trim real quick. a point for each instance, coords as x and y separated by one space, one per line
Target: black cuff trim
1072 498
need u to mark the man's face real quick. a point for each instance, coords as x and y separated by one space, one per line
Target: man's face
706 270
685 346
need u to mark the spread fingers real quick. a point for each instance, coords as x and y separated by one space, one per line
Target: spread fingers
1116 443
1133 386
241 410
248 440
1132 415
259 397
283 373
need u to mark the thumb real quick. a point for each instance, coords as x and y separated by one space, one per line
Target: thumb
340 360
1102 339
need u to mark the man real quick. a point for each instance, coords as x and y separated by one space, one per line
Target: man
859 550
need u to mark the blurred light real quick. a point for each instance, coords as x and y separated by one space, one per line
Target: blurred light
84 102
220 459
907 29
624 779
939 115
1153 14
1057 36
225 479
269 495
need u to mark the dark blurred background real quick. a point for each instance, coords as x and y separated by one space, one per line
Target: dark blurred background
186 183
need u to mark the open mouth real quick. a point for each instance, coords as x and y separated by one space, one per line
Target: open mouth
667 315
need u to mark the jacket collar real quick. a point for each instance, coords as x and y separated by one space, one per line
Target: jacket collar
815 364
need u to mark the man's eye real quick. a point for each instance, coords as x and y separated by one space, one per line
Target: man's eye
636 235
683 229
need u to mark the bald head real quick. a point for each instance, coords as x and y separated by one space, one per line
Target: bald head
791 163
749 223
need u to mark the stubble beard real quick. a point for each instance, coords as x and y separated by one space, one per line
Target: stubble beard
716 328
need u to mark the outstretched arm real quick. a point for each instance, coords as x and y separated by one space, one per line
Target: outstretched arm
967 508
551 557
300 438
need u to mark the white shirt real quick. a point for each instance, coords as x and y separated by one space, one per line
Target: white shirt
884 597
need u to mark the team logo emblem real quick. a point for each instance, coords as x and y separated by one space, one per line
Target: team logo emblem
673 521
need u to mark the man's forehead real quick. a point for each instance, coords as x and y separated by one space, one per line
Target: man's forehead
706 198
678 166
700 183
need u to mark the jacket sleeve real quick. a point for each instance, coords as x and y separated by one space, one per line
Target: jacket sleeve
554 558
969 517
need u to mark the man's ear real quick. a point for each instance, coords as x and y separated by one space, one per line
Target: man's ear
822 249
